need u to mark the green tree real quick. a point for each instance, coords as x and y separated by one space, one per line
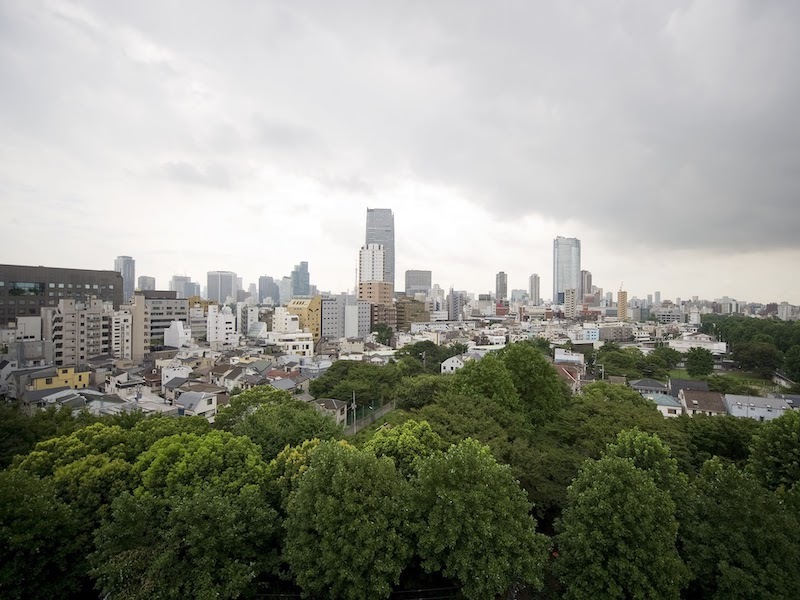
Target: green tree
416 392
405 443
616 537
791 363
276 425
760 357
543 393
699 362
41 543
670 356
775 455
346 530
488 378
739 538
725 436
472 522
243 404
651 455
198 526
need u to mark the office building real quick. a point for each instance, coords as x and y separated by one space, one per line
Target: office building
221 286
380 230
375 292
268 290
371 263
152 313
566 267
126 266
418 281
501 286
301 280
145 283
534 292
180 283
25 290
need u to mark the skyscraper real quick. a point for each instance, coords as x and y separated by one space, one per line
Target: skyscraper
146 283
418 281
566 267
221 285
126 266
501 286
267 288
301 280
380 230
586 285
533 289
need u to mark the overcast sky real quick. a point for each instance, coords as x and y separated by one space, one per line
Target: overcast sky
249 136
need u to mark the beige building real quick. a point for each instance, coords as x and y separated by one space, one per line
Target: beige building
622 305
309 313
152 312
375 292
80 331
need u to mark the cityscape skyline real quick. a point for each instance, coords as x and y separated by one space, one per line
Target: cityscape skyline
117 123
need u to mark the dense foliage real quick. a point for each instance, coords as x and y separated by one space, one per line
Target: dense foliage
493 480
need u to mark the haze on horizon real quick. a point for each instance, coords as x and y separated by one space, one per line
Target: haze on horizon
250 136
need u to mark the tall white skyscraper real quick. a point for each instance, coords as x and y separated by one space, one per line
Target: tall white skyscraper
126 266
533 289
371 263
566 267
380 230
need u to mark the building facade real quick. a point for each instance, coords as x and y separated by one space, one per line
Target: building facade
221 286
418 281
25 290
371 263
566 267
380 230
152 313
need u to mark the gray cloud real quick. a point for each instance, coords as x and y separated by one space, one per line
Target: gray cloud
663 125
214 176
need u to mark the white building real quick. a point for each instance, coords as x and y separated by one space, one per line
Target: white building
120 334
283 321
698 340
371 263
221 328
755 407
177 335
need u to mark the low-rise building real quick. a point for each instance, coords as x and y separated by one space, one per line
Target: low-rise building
696 402
755 407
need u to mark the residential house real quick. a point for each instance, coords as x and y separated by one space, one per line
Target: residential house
666 404
645 386
696 402
676 385
336 409
198 404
